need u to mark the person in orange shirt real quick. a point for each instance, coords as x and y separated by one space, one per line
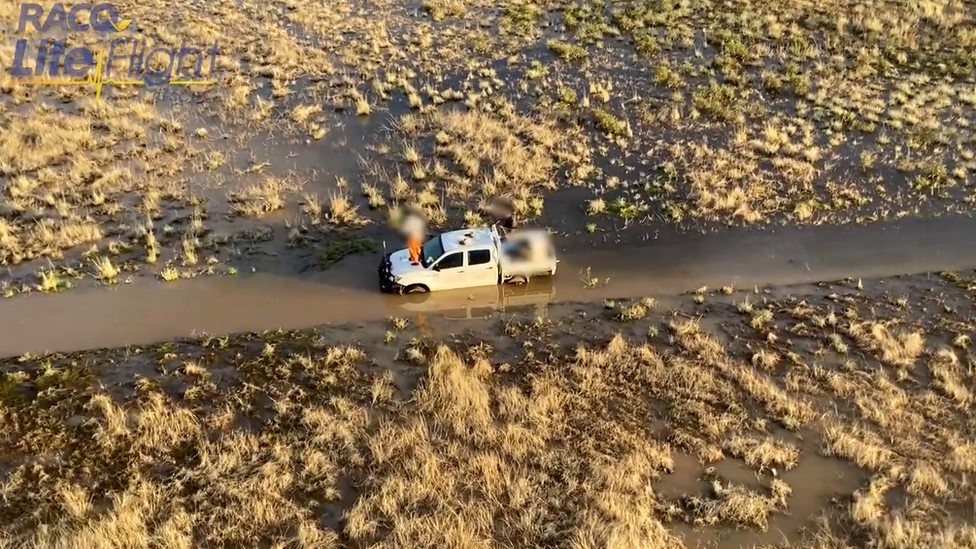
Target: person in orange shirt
413 245
414 229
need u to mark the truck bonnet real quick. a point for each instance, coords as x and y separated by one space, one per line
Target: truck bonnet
400 264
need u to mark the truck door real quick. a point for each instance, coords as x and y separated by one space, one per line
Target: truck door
451 273
482 268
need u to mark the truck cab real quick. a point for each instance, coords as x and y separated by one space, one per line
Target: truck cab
462 259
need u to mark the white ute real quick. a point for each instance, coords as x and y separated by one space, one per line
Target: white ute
470 258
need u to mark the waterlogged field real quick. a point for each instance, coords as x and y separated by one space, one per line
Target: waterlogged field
607 121
815 417
820 417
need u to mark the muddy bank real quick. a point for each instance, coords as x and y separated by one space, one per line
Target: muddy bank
146 313
720 421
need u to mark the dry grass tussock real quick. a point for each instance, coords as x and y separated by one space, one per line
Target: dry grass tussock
75 170
896 347
801 108
305 443
64 184
464 455
262 198
92 191
458 158
33 142
495 441
519 149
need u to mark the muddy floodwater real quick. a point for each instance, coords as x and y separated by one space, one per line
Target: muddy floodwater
144 313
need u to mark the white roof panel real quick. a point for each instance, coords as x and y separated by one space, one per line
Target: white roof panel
466 238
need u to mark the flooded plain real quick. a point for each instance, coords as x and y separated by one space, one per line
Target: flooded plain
625 127
146 312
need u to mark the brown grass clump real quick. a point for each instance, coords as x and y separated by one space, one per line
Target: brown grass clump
963 456
894 530
791 412
45 139
50 238
860 446
262 198
636 310
738 505
720 189
950 376
869 503
341 211
106 270
898 348
765 453
496 142
501 435
69 179
505 152
926 478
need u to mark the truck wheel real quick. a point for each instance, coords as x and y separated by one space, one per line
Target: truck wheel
518 280
416 289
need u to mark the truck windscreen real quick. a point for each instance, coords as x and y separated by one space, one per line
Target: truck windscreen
433 249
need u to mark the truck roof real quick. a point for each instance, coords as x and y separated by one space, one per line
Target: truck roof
467 238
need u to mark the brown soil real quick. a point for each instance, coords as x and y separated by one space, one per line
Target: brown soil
834 415
610 122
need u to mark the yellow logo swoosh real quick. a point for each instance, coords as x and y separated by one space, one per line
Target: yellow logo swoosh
123 24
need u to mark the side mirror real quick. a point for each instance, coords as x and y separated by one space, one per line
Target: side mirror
436 267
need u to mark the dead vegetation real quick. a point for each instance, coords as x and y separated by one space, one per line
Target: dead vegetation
502 435
780 112
457 160
263 198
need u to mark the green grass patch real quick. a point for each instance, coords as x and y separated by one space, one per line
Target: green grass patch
442 9
519 18
607 122
624 209
566 51
341 248
717 100
645 43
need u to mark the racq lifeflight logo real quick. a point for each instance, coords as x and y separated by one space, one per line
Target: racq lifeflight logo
52 61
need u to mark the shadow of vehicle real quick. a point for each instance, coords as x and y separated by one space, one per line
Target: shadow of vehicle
477 303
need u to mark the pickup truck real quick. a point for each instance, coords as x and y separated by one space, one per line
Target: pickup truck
469 258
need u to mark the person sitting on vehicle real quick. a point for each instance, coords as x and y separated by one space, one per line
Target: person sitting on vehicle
516 249
503 210
539 250
414 229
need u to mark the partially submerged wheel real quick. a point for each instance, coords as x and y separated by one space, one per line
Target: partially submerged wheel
518 280
415 289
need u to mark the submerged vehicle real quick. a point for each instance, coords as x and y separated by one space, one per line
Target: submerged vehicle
470 258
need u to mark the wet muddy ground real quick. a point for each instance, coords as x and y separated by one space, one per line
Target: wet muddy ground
627 128
627 123
788 417
278 295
